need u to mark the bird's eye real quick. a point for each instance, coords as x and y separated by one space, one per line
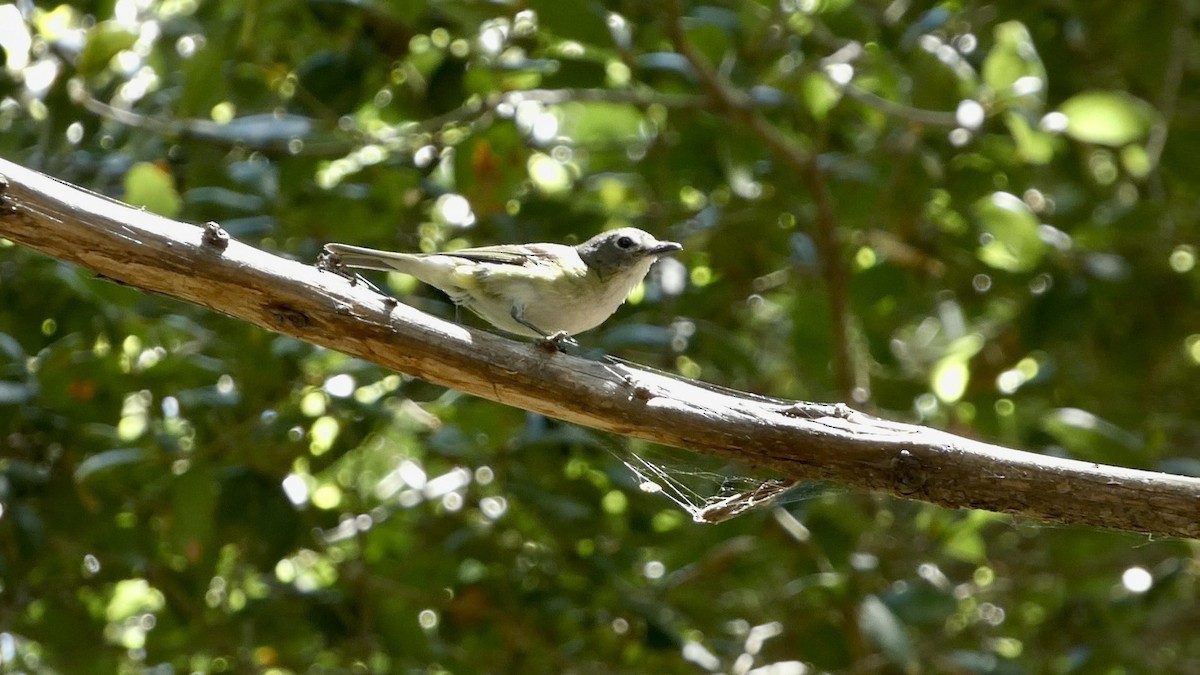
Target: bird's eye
624 242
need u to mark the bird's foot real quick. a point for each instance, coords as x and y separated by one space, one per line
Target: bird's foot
328 261
558 342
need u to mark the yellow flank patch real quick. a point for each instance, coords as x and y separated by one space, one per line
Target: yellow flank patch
466 277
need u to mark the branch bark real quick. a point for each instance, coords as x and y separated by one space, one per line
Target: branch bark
803 441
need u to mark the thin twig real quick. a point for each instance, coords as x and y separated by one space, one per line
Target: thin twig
207 130
733 104
921 116
1172 80
847 53
477 107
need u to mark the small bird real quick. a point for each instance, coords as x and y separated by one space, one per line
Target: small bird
539 290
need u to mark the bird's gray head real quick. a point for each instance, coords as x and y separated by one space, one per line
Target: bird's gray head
625 249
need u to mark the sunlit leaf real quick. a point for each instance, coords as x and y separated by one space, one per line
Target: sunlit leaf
966 545
602 123
819 94
1136 160
1108 117
1011 242
949 378
131 596
149 186
104 41
1033 145
1013 67
830 6
966 539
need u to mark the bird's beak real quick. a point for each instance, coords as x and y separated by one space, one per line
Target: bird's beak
665 247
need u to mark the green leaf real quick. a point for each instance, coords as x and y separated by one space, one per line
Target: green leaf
104 41
1136 160
831 6
149 186
1013 243
1108 117
966 540
883 627
602 124
1013 68
1087 436
1033 146
193 501
951 374
582 21
819 94
107 460
713 31
967 545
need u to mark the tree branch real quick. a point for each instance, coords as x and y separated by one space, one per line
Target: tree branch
804 441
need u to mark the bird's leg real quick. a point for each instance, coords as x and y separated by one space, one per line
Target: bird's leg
555 341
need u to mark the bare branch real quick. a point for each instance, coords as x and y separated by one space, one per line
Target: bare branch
799 440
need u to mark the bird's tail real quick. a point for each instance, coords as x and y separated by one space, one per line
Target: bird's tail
369 258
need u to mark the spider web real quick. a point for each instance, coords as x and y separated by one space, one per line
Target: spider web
708 496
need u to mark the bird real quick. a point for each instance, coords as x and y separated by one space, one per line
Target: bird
545 290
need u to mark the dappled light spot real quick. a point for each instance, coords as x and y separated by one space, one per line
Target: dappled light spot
547 174
428 619
1183 258
339 386
322 434
327 496
296 489
1137 579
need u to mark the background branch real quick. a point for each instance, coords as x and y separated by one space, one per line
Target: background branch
734 104
799 440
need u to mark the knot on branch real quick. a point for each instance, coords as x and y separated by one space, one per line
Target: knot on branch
908 474
7 207
286 317
215 236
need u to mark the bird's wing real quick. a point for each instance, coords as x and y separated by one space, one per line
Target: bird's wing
509 254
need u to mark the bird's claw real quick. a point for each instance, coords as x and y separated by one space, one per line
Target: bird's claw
328 261
558 342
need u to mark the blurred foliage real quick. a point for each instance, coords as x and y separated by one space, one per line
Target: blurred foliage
1013 192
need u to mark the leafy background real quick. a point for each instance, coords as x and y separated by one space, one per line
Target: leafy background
977 216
